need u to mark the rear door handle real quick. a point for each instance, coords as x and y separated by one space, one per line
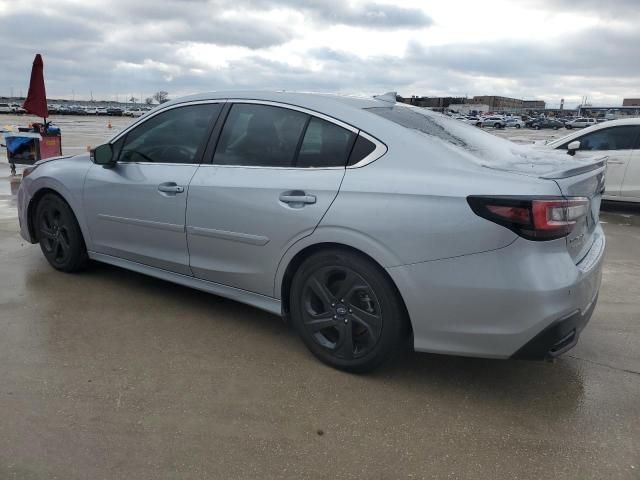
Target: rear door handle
297 198
170 187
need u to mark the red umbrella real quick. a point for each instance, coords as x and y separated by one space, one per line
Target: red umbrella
36 101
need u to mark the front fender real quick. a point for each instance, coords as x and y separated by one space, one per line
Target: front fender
65 177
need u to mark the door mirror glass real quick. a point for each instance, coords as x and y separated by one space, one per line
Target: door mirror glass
103 155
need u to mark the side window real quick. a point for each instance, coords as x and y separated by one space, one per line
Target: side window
615 138
361 149
260 135
325 145
174 136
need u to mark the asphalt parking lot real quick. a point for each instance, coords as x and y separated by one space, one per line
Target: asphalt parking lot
111 374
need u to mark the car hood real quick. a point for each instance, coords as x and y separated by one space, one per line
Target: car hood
81 157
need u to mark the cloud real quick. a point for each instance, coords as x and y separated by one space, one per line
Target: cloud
186 46
369 14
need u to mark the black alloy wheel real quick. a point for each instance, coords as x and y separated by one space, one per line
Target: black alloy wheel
346 310
59 234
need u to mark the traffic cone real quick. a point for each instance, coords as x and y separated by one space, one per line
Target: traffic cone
109 124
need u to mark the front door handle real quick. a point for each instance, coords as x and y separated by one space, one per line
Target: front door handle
170 187
297 198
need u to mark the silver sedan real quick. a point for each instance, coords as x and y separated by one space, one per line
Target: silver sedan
362 221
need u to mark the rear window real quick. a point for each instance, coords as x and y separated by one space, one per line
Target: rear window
409 118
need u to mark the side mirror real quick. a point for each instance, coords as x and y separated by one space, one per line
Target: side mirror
573 146
103 155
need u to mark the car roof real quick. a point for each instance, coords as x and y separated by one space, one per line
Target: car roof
346 108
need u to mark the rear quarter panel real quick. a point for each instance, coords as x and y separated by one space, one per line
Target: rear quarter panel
412 203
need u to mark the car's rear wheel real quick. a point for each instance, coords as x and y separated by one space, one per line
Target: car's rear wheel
537 127
346 310
59 235
517 126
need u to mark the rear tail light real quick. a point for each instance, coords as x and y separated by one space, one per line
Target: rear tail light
534 218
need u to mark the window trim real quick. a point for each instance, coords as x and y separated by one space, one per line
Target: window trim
202 148
378 152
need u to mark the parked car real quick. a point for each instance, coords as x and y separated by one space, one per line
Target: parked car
5 108
134 112
546 123
308 206
581 122
91 110
114 112
619 141
101 111
495 122
476 121
513 122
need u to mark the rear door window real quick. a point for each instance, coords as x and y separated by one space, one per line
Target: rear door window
325 144
260 136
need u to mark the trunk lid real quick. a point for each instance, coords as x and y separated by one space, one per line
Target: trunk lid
586 182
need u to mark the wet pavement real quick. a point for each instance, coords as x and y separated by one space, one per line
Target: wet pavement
111 374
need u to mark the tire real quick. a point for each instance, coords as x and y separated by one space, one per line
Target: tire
537 127
556 128
347 311
517 125
568 127
59 235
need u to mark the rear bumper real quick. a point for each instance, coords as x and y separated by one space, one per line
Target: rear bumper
557 338
496 303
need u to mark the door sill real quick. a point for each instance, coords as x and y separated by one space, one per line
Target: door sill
269 304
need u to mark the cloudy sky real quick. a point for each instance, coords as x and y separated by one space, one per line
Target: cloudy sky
542 49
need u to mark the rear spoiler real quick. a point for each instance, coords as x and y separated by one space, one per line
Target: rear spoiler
571 172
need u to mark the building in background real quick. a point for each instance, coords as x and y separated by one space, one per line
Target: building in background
631 102
433 102
470 108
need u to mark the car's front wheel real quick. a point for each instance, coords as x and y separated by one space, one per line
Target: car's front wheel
59 234
346 310
517 125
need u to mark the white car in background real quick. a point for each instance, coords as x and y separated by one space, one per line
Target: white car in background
476 121
619 140
91 110
5 108
513 122
581 123
494 121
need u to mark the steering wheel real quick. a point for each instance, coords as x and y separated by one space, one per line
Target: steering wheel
169 154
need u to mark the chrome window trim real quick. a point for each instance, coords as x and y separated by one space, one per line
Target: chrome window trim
144 118
378 152
290 106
